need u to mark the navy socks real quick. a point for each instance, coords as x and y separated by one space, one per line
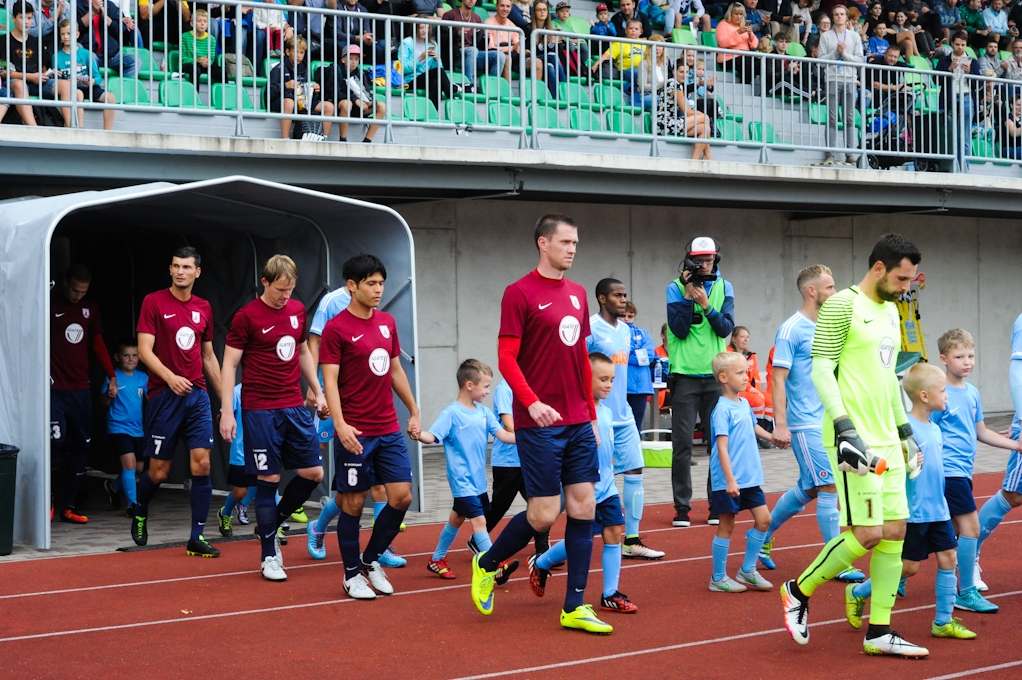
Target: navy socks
146 491
387 526
578 540
515 536
201 496
296 492
266 516
347 541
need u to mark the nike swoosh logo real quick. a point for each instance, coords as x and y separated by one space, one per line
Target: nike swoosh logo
267 330
580 590
464 426
356 338
867 321
546 305
60 315
167 316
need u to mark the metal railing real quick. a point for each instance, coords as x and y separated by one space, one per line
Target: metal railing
465 76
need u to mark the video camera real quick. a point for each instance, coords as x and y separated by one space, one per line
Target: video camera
702 245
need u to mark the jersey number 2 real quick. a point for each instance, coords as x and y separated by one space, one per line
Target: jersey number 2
260 461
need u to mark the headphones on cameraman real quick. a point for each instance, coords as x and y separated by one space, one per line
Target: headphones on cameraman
702 245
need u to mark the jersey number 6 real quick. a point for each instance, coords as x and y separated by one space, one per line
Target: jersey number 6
352 477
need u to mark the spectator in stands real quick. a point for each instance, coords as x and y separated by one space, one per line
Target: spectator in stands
950 18
151 17
101 22
676 118
546 65
623 60
740 338
45 16
578 48
1011 145
679 10
975 25
427 8
199 51
462 45
653 76
762 22
699 92
504 41
24 62
87 81
876 46
420 59
733 33
910 38
310 26
291 91
991 113
874 16
996 19
919 13
990 59
841 44
798 15
787 75
1013 66
341 31
128 11
959 61
355 93
888 88
521 13
823 24
272 29
628 13
603 26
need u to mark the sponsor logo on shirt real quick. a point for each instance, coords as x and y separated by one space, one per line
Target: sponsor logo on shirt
74 333
196 318
887 352
286 348
85 312
385 332
294 322
379 362
140 391
185 338
569 330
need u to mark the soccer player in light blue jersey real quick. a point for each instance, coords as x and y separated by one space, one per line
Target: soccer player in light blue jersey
243 486
124 422
1010 495
609 522
929 530
330 305
465 428
613 337
962 425
798 418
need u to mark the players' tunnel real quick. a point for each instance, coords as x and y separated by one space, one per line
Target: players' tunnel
126 237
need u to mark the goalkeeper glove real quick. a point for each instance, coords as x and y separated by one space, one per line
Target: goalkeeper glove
910 449
853 454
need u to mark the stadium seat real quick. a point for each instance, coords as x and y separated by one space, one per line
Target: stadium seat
796 49
971 52
762 132
983 149
180 94
173 61
492 88
165 47
683 36
922 63
621 122
728 113
610 97
818 114
575 95
489 6
457 78
447 8
420 109
128 91
503 114
247 81
460 111
543 97
578 25
224 96
709 38
584 120
929 102
1004 55
145 67
483 14
5 21
545 117
732 131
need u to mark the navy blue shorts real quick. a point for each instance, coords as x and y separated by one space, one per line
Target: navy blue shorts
384 460
608 514
958 492
71 417
123 444
280 439
236 476
472 506
926 538
553 457
748 499
170 417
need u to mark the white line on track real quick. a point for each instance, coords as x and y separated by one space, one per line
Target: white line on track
700 643
977 671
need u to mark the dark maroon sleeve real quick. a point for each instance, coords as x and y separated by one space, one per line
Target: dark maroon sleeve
330 345
147 317
102 355
238 336
513 307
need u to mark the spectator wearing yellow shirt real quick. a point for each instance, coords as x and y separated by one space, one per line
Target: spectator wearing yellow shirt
622 60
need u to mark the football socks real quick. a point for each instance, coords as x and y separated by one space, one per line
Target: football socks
347 541
720 549
515 536
146 490
828 517
864 589
990 515
296 493
611 568
947 585
327 515
377 508
266 516
201 496
128 485
447 536
788 505
835 557
885 572
634 500
753 542
555 554
967 547
578 541
482 540
387 526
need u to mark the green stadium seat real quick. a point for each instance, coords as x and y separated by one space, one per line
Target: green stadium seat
732 131
5 21
1004 55
983 149
796 49
610 97
420 109
128 91
545 117
584 120
709 38
224 96
971 52
447 8
818 114
683 36
180 94
247 81
543 97
483 14
578 25
457 78
730 115
647 123
922 63
165 47
621 123
460 111
492 88
145 67
503 114
575 95
763 132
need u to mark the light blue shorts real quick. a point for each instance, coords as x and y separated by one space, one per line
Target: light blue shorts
627 448
1013 475
813 464
325 429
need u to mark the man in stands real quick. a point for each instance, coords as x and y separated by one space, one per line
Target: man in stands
105 33
24 59
627 13
74 327
700 315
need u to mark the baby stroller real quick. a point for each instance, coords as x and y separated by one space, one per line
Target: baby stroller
890 129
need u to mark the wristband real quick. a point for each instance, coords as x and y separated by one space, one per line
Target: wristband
904 431
843 425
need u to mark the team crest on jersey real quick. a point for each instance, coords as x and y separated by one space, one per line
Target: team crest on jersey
294 322
185 337
887 352
74 333
824 474
385 332
286 348
379 362
575 303
569 330
85 312
196 318
141 391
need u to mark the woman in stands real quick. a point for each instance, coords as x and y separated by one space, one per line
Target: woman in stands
905 35
653 76
676 118
1012 137
733 33
546 49
420 61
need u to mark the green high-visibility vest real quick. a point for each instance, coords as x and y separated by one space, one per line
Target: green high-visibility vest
694 355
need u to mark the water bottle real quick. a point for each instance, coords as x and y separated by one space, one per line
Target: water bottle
658 372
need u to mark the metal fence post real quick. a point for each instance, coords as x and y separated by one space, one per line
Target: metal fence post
862 164
532 97
764 154
388 131
239 32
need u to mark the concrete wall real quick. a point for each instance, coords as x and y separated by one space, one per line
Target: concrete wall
468 251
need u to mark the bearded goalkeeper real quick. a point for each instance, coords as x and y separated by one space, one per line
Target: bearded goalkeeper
868 439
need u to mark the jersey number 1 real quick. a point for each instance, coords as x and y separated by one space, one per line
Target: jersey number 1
869 508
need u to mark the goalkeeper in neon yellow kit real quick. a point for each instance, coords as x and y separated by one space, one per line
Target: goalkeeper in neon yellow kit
868 439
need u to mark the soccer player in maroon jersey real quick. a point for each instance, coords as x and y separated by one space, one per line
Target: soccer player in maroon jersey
544 322
268 339
361 360
74 320
175 342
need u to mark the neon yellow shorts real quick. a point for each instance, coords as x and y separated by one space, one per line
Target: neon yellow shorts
874 499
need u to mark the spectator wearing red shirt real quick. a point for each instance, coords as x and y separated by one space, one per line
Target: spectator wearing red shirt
268 340
175 342
75 326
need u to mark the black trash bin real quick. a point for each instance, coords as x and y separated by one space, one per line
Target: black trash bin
8 482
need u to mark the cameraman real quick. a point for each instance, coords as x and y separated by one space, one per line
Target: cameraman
700 316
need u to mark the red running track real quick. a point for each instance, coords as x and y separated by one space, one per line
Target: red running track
159 613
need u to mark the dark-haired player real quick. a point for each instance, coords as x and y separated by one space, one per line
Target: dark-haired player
75 326
360 357
544 323
175 342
